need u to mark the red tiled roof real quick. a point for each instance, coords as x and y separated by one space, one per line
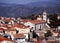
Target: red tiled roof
10 26
52 41
19 25
3 25
19 35
7 19
37 21
33 21
24 21
10 30
1 29
38 41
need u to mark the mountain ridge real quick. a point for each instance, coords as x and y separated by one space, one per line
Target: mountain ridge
17 10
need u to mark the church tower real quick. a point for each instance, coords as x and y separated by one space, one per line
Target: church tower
45 16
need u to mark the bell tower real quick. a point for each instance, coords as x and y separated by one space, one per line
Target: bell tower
45 16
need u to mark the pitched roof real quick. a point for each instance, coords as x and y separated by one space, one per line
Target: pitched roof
19 35
1 29
23 21
10 26
3 38
7 19
38 41
19 25
10 30
37 21
3 25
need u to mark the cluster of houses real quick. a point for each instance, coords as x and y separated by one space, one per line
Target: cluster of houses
14 30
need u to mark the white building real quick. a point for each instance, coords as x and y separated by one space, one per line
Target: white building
48 21
45 16
36 24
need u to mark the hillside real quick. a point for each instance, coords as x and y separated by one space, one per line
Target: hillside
26 10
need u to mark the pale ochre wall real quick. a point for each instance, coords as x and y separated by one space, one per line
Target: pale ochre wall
24 30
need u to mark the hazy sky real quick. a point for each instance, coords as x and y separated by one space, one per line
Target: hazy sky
24 1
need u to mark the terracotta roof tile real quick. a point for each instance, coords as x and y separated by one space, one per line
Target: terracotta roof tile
7 19
19 35
19 25
37 21
1 29
3 25
24 21
10 26
10 30
38 41
3 38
